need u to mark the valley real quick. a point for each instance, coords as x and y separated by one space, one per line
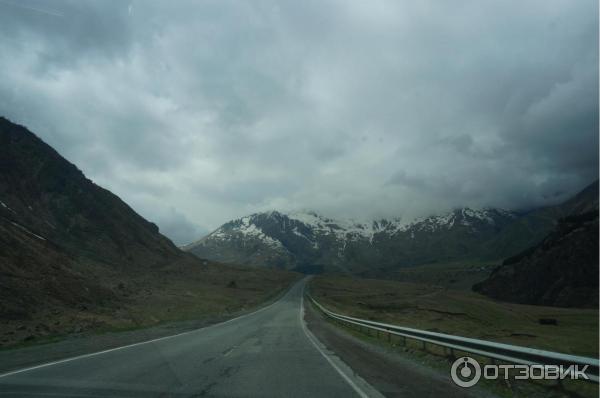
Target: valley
330 199
473 241
84 275
460 313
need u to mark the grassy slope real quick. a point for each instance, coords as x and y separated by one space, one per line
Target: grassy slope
204 292
460 312
174 293
76 258
454 275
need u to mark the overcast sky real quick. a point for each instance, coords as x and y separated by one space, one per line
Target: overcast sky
199 112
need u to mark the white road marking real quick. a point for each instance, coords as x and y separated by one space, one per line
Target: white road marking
312 339
136 344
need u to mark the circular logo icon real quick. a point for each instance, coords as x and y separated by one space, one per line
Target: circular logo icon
465 372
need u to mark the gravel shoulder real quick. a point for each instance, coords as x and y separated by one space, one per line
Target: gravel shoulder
390 373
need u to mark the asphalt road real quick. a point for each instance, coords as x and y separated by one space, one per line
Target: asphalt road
266 353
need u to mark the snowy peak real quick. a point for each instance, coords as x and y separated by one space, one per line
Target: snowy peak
310 242
249 227
302 240
342 229
465 217
269 226
310 231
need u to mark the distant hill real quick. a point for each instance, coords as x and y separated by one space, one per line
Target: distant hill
309 242
561 271
458 235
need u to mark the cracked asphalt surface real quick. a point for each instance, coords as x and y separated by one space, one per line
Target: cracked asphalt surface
265 353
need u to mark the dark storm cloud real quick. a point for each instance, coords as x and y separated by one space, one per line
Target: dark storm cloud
197 112
72 29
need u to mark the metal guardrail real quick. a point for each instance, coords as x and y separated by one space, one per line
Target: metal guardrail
502 352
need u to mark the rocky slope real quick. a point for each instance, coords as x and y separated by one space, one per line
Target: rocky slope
44 194
309 242
561 271
61 234
304 241
73 256
530 228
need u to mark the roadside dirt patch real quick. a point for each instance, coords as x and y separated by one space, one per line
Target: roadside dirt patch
387 372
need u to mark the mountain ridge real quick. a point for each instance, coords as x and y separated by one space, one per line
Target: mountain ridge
288 235
307 240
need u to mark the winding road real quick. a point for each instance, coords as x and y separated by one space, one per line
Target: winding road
265 353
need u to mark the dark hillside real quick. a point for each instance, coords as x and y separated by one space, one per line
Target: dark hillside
532 227
560 271
50 196
75 257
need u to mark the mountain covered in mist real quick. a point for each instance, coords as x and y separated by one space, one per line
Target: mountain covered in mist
310 242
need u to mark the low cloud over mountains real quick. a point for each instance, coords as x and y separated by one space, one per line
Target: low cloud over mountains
200 112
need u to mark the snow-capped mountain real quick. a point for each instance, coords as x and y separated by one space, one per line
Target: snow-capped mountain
475 220
310 241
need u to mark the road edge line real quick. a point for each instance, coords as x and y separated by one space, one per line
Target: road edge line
315 342
44 365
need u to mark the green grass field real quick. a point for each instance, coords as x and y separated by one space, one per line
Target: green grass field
460 312
453 275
